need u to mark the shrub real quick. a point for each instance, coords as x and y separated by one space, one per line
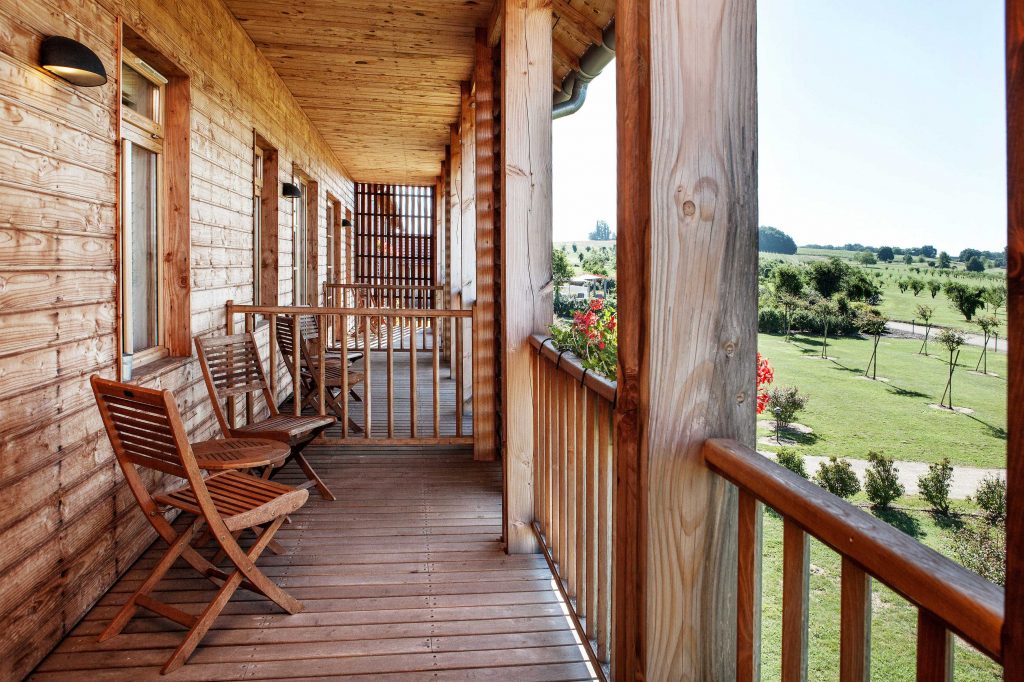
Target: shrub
991 497
935 485
837 476
771 320
792 460
934 287
783 404
882 482
965 298
982 549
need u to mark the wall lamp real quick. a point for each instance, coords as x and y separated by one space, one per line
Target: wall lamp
345 222
72 61
291 191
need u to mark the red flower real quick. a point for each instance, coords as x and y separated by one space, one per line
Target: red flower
765 376
596 303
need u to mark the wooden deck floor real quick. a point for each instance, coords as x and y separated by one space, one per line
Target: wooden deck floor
403 578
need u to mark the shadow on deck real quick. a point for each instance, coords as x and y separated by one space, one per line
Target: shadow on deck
404 577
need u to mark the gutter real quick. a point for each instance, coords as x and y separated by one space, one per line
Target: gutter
573 94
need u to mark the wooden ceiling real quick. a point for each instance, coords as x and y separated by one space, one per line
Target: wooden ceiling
381 80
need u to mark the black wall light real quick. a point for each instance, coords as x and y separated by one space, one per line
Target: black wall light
72 61
345 222
291 191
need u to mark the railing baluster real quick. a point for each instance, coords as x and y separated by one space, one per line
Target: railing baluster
367 378
604 523
412 378
855 624
321 361
248 396
343 325
273 357
746 589
435 352
390 330
796 553
934 649
592 513
580 495
457 362
296 367
563 453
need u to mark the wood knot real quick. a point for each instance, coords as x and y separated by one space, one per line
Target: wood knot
730 348
689 208
740 398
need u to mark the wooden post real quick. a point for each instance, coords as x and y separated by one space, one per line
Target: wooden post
526 242
467 132
485 346
1013 630
687 220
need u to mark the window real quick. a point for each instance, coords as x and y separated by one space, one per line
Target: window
257 224
142 192
299 246
335 241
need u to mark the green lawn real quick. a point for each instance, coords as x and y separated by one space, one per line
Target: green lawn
893 621
850 415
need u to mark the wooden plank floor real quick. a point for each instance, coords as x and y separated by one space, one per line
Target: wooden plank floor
403 578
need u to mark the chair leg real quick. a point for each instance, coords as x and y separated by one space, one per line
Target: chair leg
245 567
311 474
156 575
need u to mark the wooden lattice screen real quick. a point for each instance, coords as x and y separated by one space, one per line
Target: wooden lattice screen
394 238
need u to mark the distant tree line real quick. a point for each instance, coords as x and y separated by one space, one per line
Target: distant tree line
773 240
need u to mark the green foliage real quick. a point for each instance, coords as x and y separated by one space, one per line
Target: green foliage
935 485
903 284
908 259
592 337
872 323
561 268
826 276
774 240
951 339
928 251
885 254
792 460
944 260
866 258
987 324
995 297
837 476
991 497
964 297
596 262
788 279
934 287
784 402
968 254
602 232
859 287
925 312
982 548
975 264
882 481
917 285
771 320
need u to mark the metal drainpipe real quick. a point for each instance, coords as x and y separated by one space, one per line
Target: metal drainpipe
592 63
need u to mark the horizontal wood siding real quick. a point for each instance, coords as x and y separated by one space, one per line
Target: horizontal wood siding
68 525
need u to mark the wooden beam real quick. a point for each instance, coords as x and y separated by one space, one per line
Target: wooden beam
687 327
485 346
1013 630
467 133
177 244
526 242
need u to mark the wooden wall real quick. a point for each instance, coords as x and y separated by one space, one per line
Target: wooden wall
68 526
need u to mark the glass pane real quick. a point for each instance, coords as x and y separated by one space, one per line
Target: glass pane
137 93
142 213
299 248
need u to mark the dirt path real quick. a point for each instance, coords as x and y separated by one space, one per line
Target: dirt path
965 479
916 331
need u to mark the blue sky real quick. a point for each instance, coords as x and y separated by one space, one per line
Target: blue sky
879 122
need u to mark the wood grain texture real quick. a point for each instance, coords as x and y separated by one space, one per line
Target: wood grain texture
854 624
687 184
934 649
1013 631
796 560
526 241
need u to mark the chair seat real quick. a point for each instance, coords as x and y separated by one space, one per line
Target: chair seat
285 426
243 501
332 376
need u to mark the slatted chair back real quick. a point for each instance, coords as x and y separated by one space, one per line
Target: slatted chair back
232 367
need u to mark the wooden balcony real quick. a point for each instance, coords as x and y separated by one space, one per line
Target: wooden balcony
403 577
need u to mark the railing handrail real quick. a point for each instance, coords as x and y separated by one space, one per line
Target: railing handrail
366 285
239 309
569 363
966 603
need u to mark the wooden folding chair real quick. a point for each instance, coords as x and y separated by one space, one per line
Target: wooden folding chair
145 429
309 374
232 367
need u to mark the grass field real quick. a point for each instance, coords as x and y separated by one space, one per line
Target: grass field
893 621
850 416
903 305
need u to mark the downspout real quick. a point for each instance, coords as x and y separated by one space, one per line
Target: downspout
570 98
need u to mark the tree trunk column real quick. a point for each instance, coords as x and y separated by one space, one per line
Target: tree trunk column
687 260
525 242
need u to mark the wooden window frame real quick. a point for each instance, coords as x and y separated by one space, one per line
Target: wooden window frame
168 133
305 240
265 246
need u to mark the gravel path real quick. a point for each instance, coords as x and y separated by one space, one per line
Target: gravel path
906 329
965 479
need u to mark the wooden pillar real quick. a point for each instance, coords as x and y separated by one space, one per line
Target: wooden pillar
485 345
526 242
687 256
1013 630
467 127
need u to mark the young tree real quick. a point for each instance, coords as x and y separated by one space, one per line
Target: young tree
951 339
903 284
602 232
882 481
935 485
885 254
561 269
928 251
944 259
964 297
975 264
774 240
908 259
991 497
917 285
826 313
789 280
934 287
995 298
988 324
866 258
925 312
783 404
873 324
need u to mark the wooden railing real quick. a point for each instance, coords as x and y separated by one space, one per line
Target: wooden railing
573 478
398 296
949 598
395 388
